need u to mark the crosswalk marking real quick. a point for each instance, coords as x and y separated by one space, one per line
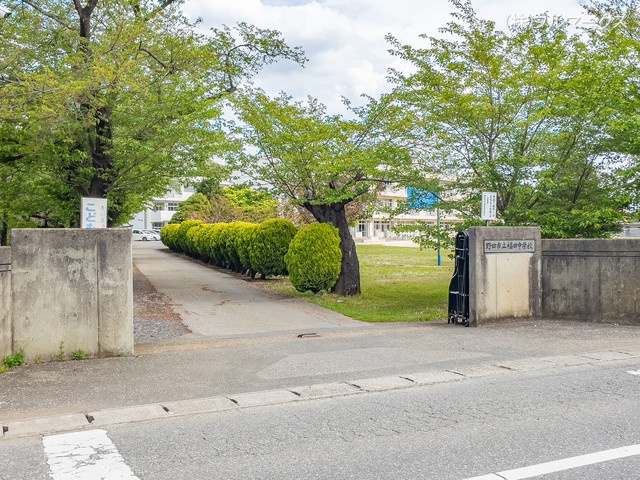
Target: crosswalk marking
86 455
564 464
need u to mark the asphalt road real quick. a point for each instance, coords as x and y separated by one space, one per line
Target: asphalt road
453 431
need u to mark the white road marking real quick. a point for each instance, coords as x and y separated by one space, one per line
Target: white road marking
634 372
564 464
86 455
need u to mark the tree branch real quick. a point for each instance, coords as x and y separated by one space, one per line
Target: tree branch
142 49
48 15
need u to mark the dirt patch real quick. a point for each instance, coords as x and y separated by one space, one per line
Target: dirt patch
153 318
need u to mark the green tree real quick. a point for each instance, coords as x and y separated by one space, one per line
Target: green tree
255 206
320 162
196 207
119 98
520 113
616 39
210 185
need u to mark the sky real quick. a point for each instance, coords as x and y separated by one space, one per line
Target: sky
344 40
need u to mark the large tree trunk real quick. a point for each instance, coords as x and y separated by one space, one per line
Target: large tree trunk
4 233
100 138
349 281
100 129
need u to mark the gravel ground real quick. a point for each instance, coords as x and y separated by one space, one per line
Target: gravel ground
153 318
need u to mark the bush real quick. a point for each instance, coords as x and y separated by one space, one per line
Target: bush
269 245
314 259
224 239
243 244
204 242
168 235
194 241
182 242
215 244
231 252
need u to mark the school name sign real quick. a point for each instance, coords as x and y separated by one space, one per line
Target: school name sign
509 246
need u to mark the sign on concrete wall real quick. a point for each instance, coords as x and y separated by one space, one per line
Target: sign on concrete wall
93 213
489 206
509 246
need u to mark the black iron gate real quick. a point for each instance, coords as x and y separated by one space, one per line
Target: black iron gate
459 286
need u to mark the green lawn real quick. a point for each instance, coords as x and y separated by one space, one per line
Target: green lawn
399 284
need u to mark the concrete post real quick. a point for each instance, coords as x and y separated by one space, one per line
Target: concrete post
504 274
6 337
73 286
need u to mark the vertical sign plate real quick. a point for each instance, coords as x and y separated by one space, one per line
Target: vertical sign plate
489 206
93 213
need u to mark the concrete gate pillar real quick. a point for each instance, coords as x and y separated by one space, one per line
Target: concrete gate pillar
6 336
505 280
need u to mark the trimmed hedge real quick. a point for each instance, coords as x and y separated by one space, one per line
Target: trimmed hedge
243 244
269 245
235 232
314 259
168 235
238 246
194 239
183 245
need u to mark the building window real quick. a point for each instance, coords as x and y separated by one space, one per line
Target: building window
382 226
172 206
157 225
385 203
362 227
158 207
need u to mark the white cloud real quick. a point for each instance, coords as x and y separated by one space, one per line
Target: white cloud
344 39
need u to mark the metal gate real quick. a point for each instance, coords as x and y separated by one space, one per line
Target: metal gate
459 286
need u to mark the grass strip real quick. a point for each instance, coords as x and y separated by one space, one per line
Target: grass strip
399 284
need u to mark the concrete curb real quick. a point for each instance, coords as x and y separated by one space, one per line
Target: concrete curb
103 418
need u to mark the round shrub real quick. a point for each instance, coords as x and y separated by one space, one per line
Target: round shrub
224 239
314 258
168 235
194 241
231 252
182 241
243 243
215 244
205 242
269 245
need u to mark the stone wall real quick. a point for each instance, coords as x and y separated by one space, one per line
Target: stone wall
71 286
591 280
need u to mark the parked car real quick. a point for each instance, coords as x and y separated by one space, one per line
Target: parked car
144 235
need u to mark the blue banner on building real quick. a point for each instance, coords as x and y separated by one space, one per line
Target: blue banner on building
421 199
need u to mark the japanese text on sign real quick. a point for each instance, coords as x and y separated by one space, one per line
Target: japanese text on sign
509 246
93 213
489 209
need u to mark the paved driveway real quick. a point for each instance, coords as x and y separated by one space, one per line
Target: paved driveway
212 303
